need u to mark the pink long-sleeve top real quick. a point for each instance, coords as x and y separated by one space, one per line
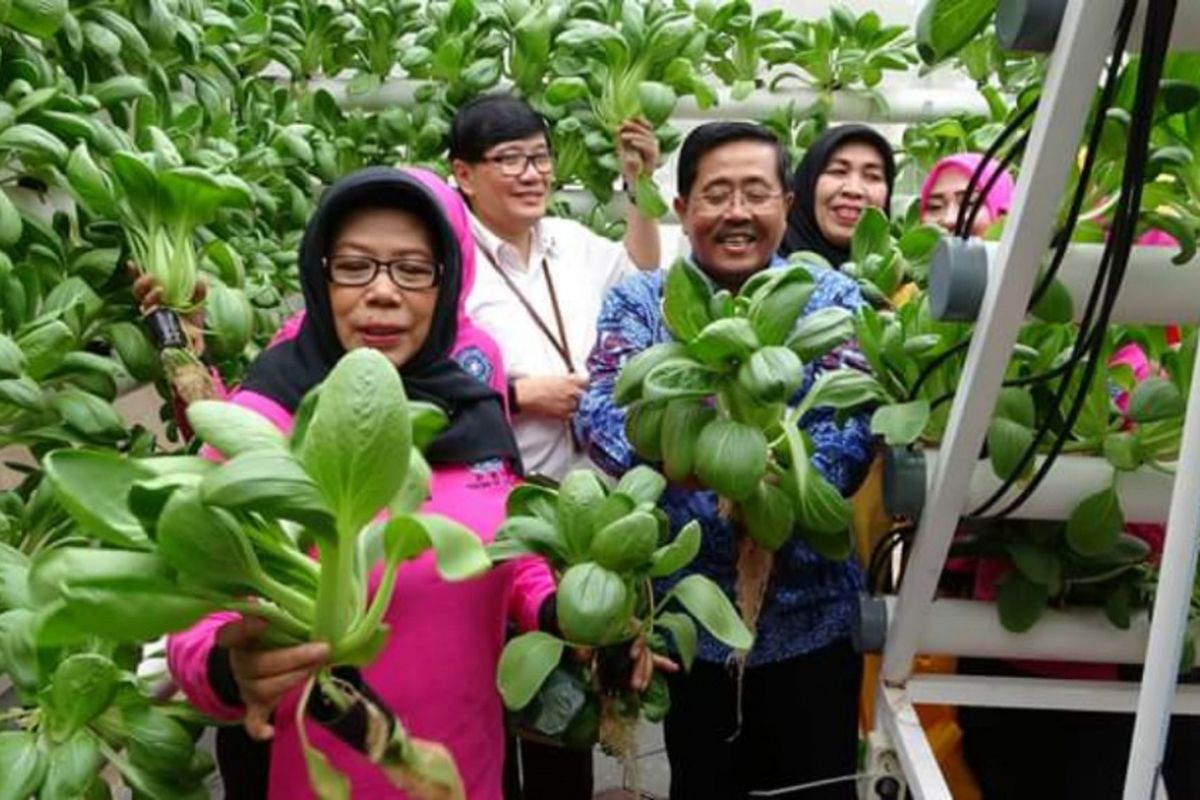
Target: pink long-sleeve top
438 670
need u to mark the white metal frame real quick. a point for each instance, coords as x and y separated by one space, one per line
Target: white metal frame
1084 43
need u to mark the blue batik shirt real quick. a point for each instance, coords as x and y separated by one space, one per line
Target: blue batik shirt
810 599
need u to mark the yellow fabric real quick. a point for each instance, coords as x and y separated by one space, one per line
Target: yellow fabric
870 523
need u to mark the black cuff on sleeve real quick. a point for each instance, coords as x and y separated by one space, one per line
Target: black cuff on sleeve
548 615
220 676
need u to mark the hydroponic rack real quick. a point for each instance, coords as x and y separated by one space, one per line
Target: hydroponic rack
922 624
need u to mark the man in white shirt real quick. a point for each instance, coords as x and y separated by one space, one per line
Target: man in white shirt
540 280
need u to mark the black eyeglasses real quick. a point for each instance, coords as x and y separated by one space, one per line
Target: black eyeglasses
514 164
406 273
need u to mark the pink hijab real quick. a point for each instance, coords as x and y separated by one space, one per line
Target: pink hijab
470 337
997 201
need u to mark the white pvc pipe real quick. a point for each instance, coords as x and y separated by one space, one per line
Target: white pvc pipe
972 628
1172 602
903 105
1064 694
1155 291
1145 494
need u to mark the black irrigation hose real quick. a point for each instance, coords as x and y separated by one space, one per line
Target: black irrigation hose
1062 238
882 552
960 228
1017 149
1159 21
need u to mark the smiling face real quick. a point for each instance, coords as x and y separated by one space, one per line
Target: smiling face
503 198
853 178
380 314
736 212
946 197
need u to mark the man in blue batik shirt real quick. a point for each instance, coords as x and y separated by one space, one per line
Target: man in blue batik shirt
794 718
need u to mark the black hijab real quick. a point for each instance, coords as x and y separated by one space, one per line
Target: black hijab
478 429
803 233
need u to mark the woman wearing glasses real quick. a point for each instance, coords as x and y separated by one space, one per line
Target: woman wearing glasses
381 267
541 279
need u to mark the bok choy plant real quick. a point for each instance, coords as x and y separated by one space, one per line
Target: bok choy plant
188 537
722 404
606 547
160 204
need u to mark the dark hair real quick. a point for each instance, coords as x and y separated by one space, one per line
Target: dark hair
491 119
711 135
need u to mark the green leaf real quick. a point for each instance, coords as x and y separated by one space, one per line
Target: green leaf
821 331
678 553
119 89
120 595
10 222
945 26
12 358
536 535
776 306
1007 442
24 765
82 687
627 543
579 499
93 487
657 101
683 632
841 389
565 90
1020 602
272 483
594 605
872 235
724 342
769 516
232 429
357 445
686 296
1038 564
705 601
1055 305
531 500
88 414
40 18
1118 605
1123 450
34 142
642 483
629 385
524 665
648 198
1155 399
459 554
772 374
208 545
901 423
822 514
681 378
731 458
643 428
682 424
326 782
1096 523
45 346
72 767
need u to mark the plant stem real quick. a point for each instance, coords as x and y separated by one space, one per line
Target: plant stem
274 615
335 593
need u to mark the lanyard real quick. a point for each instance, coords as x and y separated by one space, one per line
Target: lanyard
560 343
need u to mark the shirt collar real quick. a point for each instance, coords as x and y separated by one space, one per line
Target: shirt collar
544 243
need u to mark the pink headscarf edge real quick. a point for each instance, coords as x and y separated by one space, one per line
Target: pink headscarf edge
998 200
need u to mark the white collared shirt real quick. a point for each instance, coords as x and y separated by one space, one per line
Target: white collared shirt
583 266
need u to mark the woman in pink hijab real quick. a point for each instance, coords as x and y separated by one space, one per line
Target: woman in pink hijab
945 189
